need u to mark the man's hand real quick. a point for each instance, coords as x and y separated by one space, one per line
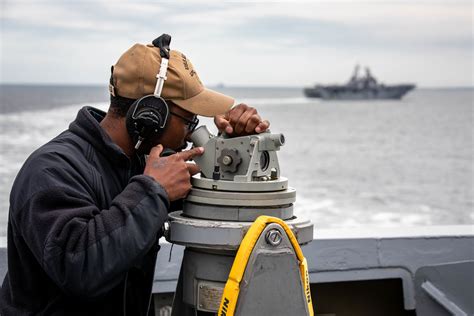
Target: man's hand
173 172
241 120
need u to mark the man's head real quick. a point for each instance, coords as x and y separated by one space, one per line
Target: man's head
134 76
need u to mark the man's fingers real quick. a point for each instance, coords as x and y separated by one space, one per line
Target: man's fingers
244 120
188 154
220 121
235 113
262 127
241 120
252 123
223 124
192 168
156 150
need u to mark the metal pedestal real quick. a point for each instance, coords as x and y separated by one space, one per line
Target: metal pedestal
215 217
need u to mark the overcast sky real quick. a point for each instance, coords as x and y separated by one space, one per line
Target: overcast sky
243 43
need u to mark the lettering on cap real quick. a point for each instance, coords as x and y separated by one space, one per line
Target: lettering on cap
185 61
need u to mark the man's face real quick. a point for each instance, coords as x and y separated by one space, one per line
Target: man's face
177 130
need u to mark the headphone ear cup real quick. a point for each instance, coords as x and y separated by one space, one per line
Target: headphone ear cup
147 118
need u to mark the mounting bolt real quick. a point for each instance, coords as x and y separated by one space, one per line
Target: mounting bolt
227 160
273 237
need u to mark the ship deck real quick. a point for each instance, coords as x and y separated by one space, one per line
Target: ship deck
383 268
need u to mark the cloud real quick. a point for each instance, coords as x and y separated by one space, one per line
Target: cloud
237 42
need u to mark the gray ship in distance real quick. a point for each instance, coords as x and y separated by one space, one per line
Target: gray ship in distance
359 88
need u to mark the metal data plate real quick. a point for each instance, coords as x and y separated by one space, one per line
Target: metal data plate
209 295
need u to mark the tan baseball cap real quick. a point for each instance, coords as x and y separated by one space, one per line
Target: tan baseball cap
134 76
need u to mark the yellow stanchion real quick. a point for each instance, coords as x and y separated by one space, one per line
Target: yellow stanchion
232 288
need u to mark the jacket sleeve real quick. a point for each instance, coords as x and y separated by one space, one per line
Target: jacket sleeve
86 251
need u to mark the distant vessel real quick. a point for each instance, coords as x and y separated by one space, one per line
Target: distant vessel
359 88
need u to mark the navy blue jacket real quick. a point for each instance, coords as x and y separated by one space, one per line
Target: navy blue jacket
83 228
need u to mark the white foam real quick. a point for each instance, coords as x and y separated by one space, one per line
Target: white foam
390 219
385 217
415 219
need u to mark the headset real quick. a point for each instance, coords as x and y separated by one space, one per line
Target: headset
147 116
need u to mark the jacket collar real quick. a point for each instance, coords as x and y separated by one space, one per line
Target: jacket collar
87 126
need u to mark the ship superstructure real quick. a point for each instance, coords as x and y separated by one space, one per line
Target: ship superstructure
358 87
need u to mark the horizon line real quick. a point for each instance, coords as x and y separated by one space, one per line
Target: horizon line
212 86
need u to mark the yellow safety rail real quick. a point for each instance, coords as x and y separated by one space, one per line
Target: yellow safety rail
232 287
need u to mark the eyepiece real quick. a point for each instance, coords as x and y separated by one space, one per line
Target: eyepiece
200 136
278 139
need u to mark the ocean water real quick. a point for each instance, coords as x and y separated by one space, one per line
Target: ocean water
352 163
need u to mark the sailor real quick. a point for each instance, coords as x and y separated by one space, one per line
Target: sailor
87 208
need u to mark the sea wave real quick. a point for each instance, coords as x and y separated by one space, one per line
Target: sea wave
28 129
39 113
361 165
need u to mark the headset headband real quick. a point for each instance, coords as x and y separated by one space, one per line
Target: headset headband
163 43
149 114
